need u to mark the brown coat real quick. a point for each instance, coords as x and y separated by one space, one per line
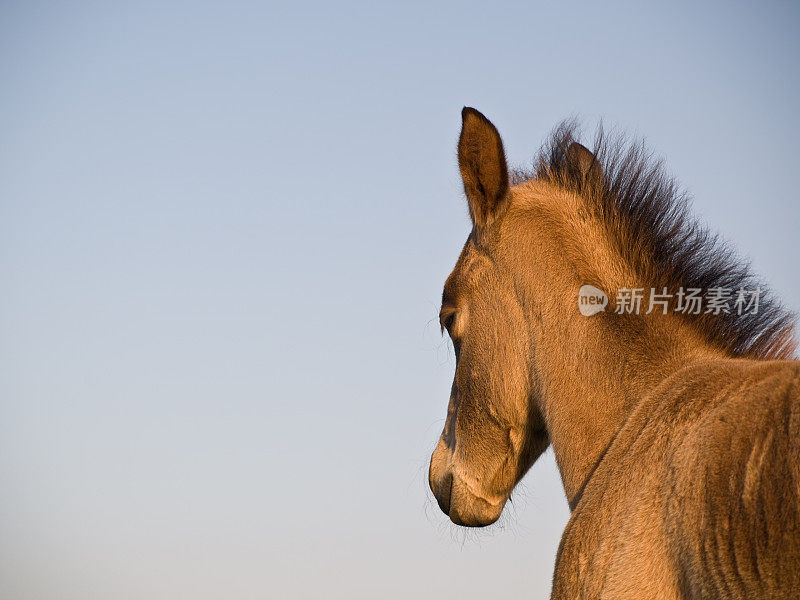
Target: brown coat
697 496
676 434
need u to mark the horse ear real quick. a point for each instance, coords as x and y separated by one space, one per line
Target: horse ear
482 162
582 162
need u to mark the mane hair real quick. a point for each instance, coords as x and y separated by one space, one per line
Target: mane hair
646 213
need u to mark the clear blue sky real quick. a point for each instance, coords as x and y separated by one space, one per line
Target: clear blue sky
223 234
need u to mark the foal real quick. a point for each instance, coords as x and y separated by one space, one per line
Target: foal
587 311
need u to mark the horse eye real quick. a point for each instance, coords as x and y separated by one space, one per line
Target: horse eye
446 321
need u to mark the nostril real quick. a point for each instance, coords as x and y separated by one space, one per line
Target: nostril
440 476
443 491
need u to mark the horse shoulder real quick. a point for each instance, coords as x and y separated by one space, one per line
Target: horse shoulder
697 495
614 543
732 491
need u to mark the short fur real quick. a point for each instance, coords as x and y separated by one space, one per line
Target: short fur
677 438
646 213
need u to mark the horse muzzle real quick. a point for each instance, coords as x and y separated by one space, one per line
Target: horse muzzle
456 497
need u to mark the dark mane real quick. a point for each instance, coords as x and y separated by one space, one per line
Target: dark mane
647 215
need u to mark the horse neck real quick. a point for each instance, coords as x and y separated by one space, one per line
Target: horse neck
592 371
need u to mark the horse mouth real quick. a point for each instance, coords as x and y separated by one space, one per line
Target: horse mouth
472 511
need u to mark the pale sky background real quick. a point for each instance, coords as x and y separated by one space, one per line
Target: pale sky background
224 229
